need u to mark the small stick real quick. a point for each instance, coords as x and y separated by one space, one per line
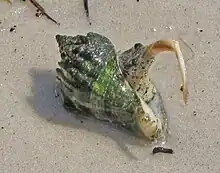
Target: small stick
43 11
86 7
162 150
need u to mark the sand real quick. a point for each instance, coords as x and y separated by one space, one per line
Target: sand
39 136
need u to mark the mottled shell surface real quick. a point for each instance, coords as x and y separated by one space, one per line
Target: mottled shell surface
90 81
135 67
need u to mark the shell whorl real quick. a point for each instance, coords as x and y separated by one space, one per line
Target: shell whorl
90 79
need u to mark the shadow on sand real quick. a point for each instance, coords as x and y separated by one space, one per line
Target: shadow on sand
48 107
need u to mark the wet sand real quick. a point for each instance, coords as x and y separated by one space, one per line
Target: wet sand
38 135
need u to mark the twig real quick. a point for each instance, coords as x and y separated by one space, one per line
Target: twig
43 11
162 150
86 7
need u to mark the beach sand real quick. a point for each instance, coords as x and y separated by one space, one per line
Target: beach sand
39 136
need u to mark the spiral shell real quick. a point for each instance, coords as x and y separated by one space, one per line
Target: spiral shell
90 81
96 82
